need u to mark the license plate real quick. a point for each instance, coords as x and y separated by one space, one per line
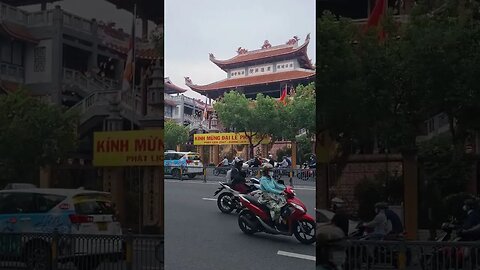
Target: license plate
102 226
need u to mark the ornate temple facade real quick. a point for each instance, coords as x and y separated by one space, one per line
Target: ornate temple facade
267 70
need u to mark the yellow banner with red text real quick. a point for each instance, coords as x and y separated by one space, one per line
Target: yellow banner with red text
227 138
128 148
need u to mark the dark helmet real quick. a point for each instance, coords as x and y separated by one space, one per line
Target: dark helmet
381 205
239 163
471 204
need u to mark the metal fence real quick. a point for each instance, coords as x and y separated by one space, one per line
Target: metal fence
56 251
288 175
362 254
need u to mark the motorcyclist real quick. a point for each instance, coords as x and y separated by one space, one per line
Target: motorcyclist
285 163
340 218
224 162
256 162
396 223
238 176
312 163
272 195
379 224
271 161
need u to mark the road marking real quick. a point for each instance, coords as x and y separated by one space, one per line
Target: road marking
216 183
296 255
209 199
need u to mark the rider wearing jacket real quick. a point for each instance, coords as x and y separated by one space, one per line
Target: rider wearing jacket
379 224
238 177
272 195
470 228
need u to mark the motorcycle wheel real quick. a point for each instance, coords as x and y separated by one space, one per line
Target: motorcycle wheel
242 223
225 202
216 172
307 237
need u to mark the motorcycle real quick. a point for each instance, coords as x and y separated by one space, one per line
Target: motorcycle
457 257
255 217
307 172
221 170
228 201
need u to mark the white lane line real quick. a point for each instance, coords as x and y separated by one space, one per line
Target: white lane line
209 199
296 255
216 183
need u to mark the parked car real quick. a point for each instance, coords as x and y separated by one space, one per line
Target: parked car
71 213
183 163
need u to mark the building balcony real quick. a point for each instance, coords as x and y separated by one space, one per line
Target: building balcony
13 73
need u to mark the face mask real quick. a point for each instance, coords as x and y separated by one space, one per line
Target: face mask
464 208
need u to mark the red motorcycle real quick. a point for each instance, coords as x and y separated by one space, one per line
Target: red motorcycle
255 217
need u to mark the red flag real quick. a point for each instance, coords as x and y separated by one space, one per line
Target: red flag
283 96
376 16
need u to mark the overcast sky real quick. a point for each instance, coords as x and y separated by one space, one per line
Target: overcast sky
193 29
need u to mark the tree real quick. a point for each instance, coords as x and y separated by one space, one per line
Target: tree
33 134
257 118
175 134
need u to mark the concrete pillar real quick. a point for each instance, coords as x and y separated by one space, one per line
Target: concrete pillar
216 154
57 55
153 202
113 182
45 177
294 154
410 174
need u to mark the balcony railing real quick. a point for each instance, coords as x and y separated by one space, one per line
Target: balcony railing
12 72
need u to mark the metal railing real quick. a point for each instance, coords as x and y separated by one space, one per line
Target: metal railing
363 254
75 251
289 176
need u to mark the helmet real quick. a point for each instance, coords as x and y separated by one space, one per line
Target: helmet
244 166
381 205
266 167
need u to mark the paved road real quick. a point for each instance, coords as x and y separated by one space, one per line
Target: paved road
199 237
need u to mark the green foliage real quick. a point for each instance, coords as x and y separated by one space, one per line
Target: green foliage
32 134
175 134
382 187
304 149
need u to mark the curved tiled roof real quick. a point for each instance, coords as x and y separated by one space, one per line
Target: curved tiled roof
171 88
17 31
252 80
265 53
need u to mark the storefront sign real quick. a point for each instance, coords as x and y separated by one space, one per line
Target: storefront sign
128 148
226 138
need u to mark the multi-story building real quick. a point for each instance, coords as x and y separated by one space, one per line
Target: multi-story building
267 70
78 63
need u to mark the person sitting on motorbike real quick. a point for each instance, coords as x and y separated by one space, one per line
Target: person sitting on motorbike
285 163
312 163
256 162
396 223
271 161
238 177
469 229
379 224
340 218
224 162
272 193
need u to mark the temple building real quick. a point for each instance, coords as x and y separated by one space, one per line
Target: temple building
267 70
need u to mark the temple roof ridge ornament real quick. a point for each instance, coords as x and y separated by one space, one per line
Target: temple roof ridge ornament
241 50
266 45
211 56
293 41
188 81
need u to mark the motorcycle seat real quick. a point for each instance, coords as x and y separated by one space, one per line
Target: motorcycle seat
255 202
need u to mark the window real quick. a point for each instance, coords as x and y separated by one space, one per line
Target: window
278 66
46 202
268 68
262 69
256 70
17 203
291 65
251 70
243 72
39 55
283 66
